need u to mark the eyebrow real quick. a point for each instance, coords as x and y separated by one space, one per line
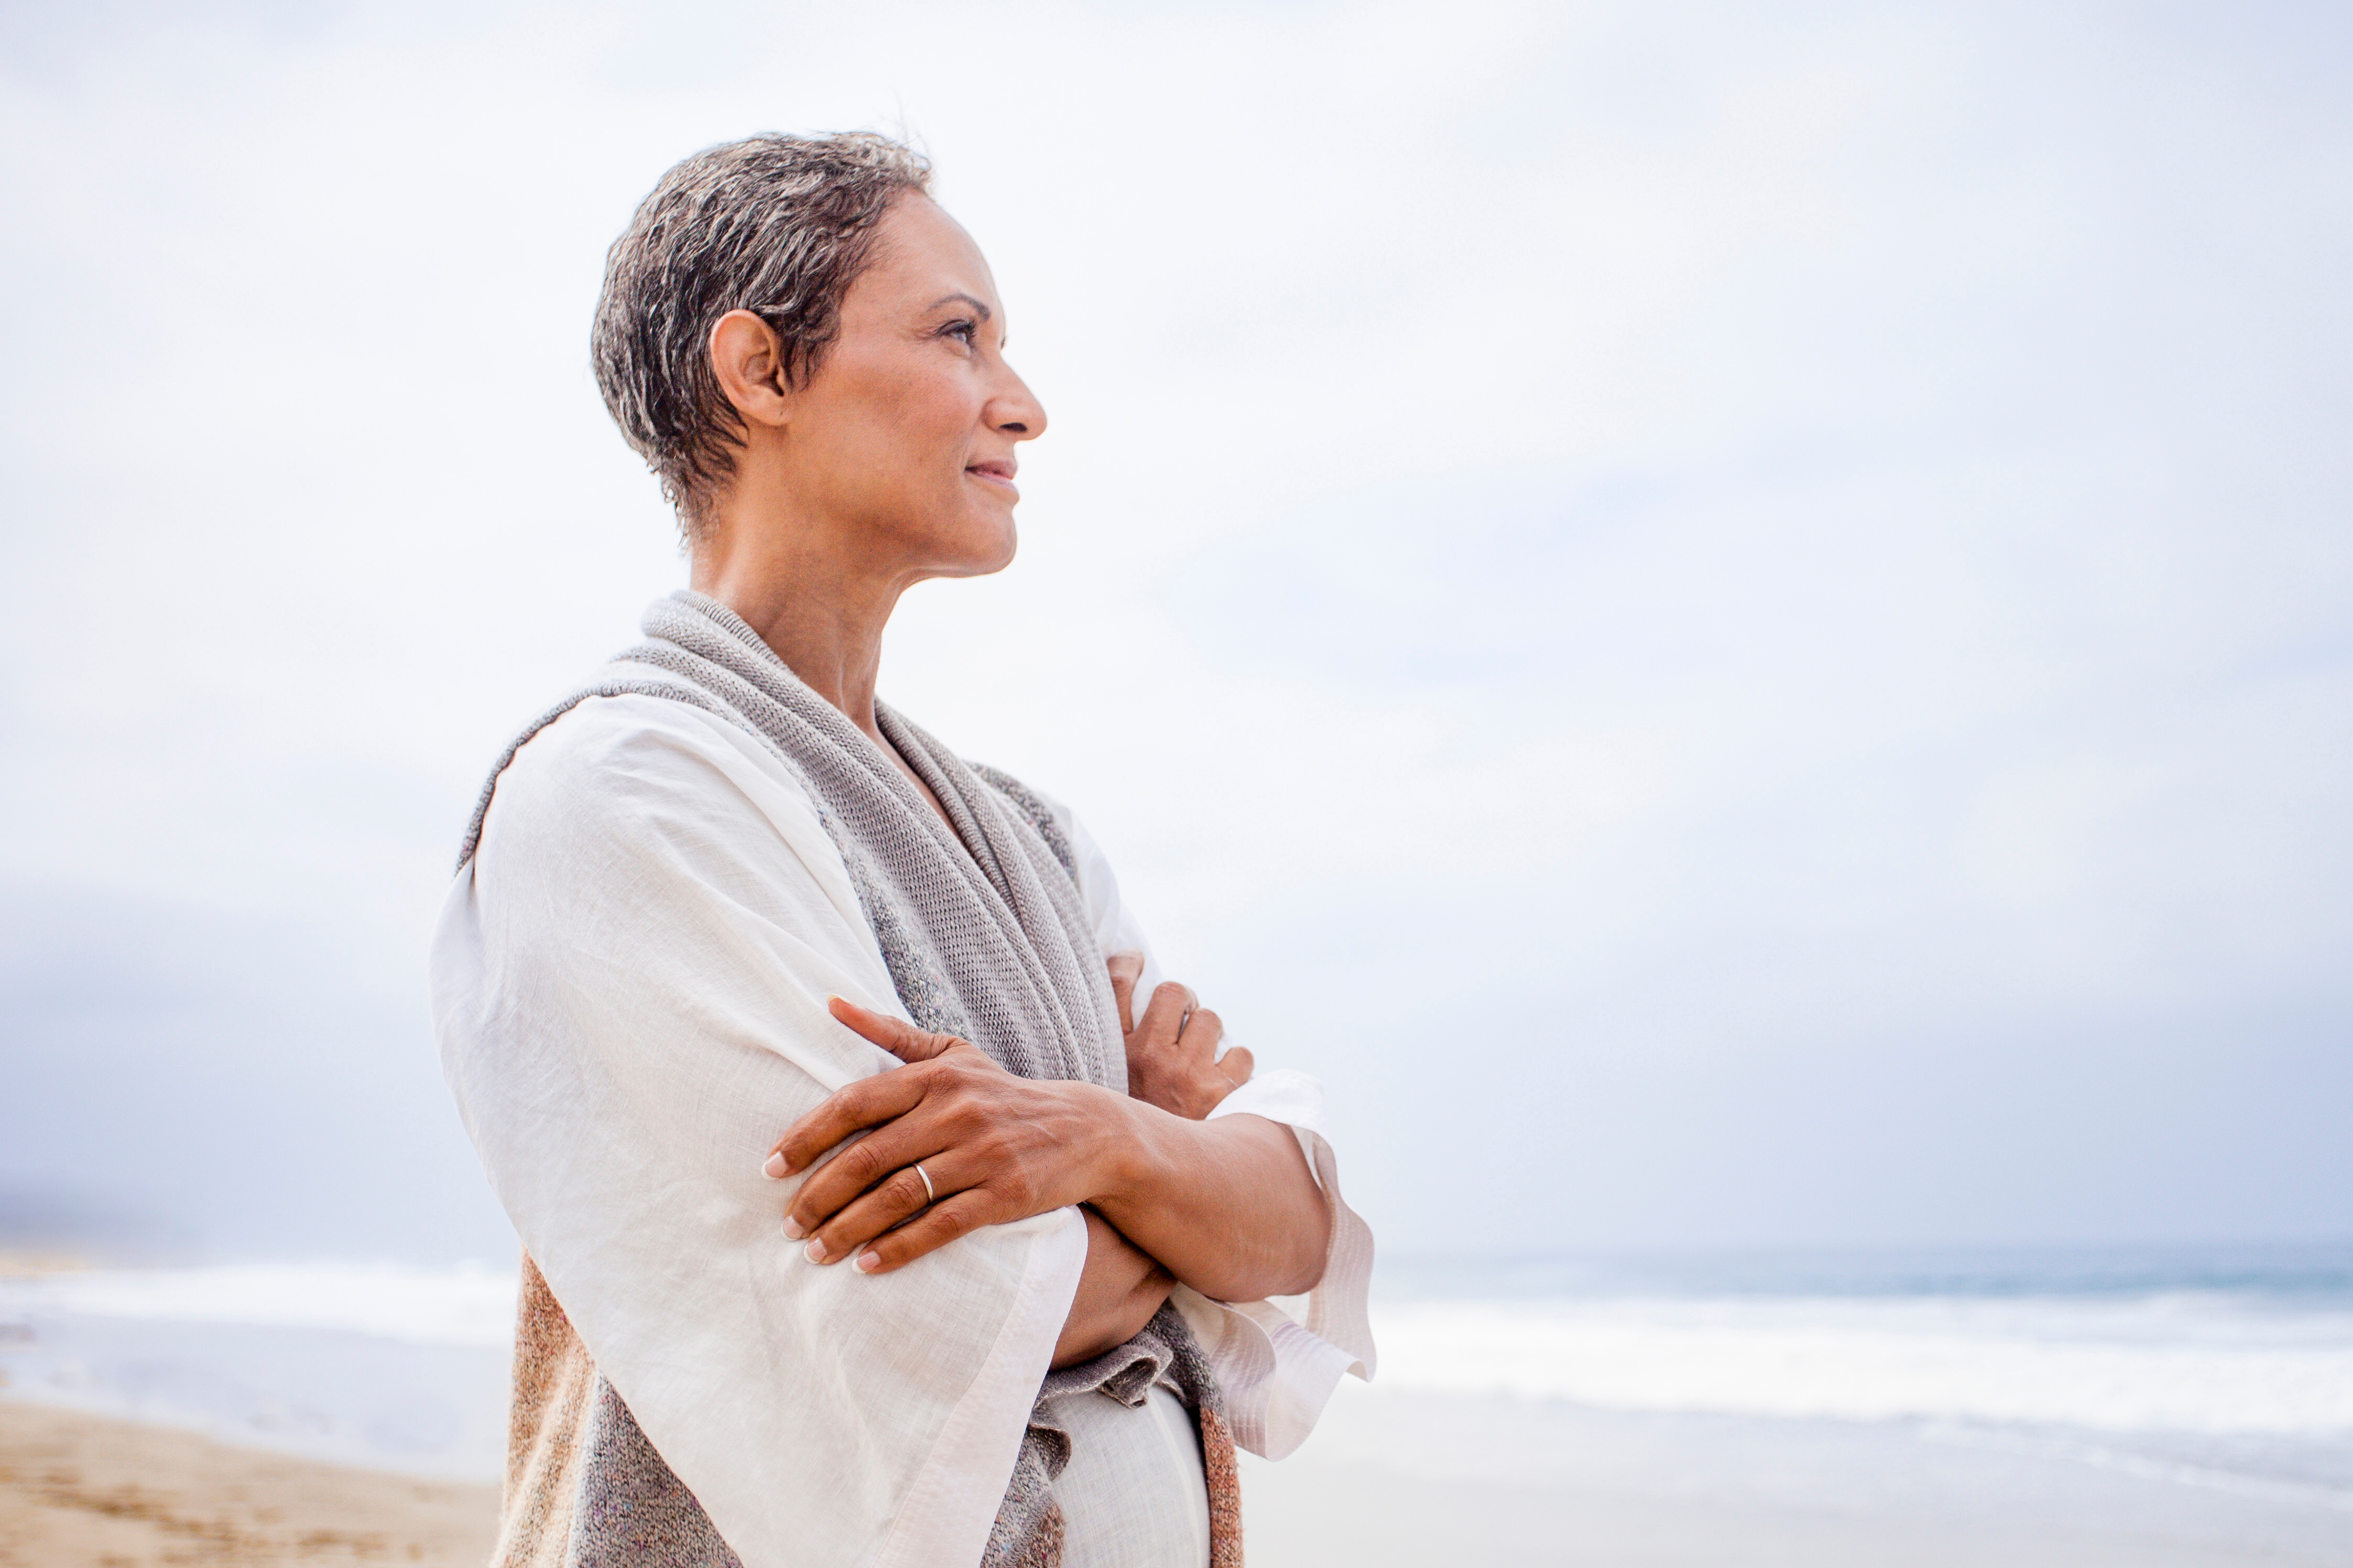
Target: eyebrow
986 313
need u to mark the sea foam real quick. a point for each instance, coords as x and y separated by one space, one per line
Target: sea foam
468 1305
2185 1363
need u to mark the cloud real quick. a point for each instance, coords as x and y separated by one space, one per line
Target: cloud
1747 604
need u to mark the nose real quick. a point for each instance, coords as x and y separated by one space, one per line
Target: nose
1014 410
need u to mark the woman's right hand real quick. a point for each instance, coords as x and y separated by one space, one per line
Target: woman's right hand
953 1143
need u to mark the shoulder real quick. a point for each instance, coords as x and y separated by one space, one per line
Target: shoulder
634 837
615 779
614 753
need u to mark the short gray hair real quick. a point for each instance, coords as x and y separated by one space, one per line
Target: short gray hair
779 226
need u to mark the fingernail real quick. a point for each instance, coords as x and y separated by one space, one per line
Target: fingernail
814 1250
794 1229
775 1167
869 1262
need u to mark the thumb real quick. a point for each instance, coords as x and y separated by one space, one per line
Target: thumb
1237 1064
1127 969
896 1036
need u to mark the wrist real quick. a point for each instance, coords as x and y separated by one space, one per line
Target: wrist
1121 1147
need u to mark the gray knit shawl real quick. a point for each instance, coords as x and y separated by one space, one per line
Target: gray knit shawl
986 938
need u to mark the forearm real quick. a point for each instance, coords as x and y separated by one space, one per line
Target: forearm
1118 1292
1228 1205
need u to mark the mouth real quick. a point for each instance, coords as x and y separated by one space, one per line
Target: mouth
997 472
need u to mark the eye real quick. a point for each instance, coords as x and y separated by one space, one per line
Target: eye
963 329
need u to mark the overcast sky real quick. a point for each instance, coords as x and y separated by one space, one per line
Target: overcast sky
1736 622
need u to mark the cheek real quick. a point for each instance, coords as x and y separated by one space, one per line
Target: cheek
895 451
927 422
897 437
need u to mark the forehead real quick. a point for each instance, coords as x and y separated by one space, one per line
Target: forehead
920 255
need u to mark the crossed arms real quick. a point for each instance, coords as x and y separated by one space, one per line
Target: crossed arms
1226 1206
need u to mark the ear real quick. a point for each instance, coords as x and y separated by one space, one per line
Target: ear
749 361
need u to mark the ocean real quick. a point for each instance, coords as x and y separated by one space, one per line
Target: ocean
2208 1392
2230 1369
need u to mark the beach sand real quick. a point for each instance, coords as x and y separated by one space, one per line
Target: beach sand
1320 1518
78 1490
1395 1479
1586 1491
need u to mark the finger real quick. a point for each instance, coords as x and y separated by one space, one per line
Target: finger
862 1165
896 1036
944 1222
866 1102
890 1201
1237 1065
1127 969
1202 1032
1163 1018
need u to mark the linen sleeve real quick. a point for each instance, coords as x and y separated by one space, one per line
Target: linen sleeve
1278 1361
630 988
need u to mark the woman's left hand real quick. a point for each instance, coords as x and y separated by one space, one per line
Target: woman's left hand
1172 1050
996 1148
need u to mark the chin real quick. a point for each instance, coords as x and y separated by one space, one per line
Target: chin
996 537
983 546
1000 558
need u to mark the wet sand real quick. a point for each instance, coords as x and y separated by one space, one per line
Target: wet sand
1401 1480
78 1490
1318 1517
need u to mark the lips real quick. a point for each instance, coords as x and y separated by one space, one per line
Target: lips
995 472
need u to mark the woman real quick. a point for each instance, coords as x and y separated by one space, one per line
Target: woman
866 1219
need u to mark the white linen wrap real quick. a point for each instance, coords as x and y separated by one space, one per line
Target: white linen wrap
629 983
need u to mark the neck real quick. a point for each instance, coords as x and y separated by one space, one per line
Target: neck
821 611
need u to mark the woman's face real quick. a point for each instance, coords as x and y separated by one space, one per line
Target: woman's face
905 433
